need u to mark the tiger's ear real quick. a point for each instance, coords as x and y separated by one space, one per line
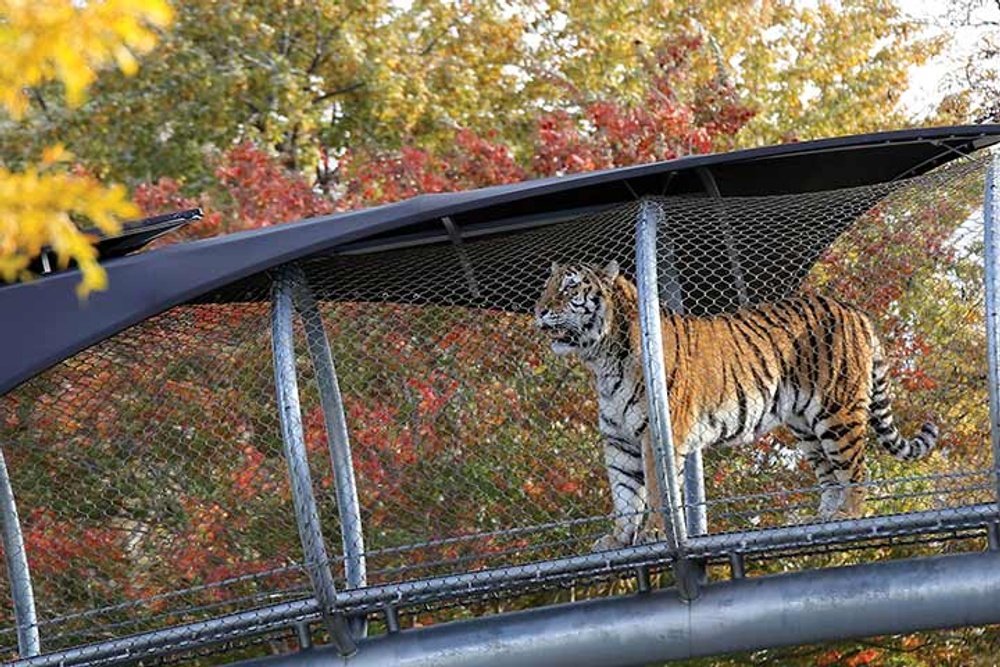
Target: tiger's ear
555 267
611 269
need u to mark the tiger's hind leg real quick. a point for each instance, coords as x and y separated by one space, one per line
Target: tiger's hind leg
842 437
832 495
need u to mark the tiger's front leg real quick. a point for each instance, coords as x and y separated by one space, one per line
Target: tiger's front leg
654 527
624 463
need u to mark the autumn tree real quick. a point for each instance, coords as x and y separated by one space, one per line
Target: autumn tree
970 86
313 80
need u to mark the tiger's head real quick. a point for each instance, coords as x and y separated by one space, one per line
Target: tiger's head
574 310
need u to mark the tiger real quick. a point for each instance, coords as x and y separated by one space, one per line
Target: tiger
809 363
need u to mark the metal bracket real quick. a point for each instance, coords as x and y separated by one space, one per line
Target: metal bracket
737 565
463 257
642 582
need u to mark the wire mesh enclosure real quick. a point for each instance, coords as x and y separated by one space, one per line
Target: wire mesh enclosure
461 434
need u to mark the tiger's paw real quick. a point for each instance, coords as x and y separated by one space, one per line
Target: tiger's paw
607 543
650 535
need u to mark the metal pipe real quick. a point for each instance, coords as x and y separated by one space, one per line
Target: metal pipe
642 582
391 619
374 598
993 536
472 230
694 493
338 440
18 574
737 565
991 257
846 530
655 372
303 636
741 615
303 499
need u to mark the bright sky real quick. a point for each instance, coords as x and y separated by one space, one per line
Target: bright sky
927 83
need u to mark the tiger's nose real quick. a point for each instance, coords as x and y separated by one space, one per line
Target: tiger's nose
541 315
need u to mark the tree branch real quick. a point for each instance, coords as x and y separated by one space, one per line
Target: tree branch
437 38
339 91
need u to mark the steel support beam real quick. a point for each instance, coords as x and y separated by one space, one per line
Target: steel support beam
742 615
18 574
991 259
655 374
303 499
338 439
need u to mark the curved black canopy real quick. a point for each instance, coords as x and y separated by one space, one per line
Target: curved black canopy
46 323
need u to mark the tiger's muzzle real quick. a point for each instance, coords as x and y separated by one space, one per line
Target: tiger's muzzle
563 336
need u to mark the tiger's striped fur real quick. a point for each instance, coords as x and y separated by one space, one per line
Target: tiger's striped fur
809 363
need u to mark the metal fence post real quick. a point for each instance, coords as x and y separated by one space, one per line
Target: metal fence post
654 371
991 256
18 574
338 439
304 501
696 510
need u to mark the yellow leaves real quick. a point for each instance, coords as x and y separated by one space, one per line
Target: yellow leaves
53 154
68 41
35 211
42 40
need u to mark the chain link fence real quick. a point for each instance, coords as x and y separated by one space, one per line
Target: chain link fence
151 474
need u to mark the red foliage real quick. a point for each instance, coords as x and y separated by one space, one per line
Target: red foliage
472 161
253 191
601 134
865 657
263 192
56 547
609 133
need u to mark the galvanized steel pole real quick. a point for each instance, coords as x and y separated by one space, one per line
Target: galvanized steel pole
695 506
991 258
655 372
18 574
304 501
338 440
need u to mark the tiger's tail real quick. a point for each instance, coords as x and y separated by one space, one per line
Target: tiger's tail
880 416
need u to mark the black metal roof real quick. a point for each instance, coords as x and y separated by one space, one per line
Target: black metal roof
46 323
